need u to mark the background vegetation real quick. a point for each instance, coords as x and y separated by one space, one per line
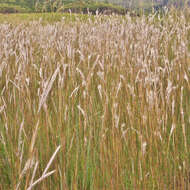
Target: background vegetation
11 6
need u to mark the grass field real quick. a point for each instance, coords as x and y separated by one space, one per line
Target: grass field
46 18
95 102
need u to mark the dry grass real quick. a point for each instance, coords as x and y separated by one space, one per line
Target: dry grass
95 104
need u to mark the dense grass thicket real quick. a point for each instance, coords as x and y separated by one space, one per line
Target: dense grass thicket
95 103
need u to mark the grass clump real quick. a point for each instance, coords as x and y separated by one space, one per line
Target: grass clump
100 103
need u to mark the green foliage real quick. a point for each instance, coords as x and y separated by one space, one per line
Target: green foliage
117 6
56 5
7 8
82 6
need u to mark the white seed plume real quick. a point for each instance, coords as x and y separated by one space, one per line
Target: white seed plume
47 89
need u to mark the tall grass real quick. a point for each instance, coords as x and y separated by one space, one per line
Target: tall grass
96 104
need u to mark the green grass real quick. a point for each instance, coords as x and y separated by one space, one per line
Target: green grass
45 18
103 99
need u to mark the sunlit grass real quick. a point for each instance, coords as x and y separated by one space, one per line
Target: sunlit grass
45 18
96 102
